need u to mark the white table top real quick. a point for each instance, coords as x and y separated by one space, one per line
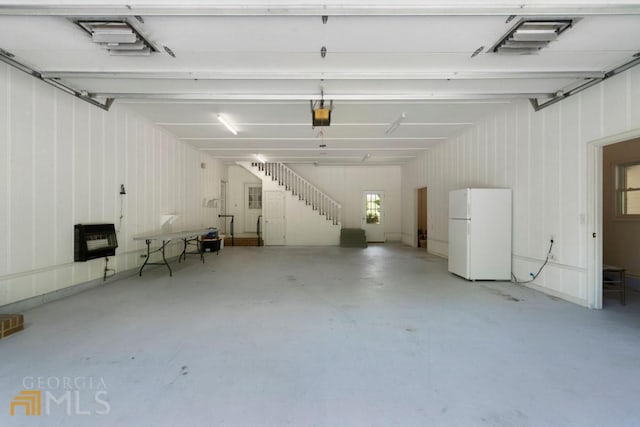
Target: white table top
174 235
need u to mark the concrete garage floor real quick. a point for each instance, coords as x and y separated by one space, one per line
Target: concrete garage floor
328 337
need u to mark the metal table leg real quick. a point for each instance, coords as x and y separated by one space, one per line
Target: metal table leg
164 244
146 260
183 255
149 252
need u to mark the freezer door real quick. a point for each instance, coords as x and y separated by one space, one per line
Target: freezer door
459 247
490 234
459 204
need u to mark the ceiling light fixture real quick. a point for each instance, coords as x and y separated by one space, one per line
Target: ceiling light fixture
320 116
477 51
261 158
366 157
227 124
169 51
394 125
528 36
119 37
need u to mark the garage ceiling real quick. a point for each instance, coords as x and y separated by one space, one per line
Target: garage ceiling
426 66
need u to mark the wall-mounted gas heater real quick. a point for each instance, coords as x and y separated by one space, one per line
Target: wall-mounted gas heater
94 241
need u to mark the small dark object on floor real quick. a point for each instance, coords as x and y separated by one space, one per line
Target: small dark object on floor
10 324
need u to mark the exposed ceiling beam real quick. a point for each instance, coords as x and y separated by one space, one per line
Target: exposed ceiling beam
307 96
233 138
306 124
322 155
294 9
327 76
306 102
253 149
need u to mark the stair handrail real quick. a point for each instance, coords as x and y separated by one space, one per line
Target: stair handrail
297 175
282 173
233 242
259 230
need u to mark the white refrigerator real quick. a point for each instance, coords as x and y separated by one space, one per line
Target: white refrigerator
480 233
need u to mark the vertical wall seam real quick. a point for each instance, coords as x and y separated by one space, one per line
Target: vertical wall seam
55 178
528 245
582 188
105 182
545 168
506 149
559 229
34 166
74 214
90 150
8 170
628 93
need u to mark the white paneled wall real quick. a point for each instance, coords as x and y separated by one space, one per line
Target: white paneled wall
62 162
345 184
542 156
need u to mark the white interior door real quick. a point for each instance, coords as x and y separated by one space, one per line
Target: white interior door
252 206
274 217
373 215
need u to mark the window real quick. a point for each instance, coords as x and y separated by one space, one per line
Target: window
255 197
372 208
628 189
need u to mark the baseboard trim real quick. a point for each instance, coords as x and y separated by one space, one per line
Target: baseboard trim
33 302
556 294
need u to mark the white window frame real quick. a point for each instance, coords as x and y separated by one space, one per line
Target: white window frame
622 190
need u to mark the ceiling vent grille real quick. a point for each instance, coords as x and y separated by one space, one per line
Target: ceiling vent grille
120 38
529 36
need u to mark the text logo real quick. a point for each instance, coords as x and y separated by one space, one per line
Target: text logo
31 400
84 396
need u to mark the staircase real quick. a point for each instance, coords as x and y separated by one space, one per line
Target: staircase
302 189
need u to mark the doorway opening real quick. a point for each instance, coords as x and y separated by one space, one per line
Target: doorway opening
422 217
373 216
620 223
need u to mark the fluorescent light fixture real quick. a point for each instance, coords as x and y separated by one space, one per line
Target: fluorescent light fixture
393 126
138 45
366 157
228 125
119 37
125 52
260 158
530 35
110 36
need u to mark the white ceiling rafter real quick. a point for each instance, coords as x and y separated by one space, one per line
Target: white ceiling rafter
335 75
341 97
305 124
417 138
297 9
